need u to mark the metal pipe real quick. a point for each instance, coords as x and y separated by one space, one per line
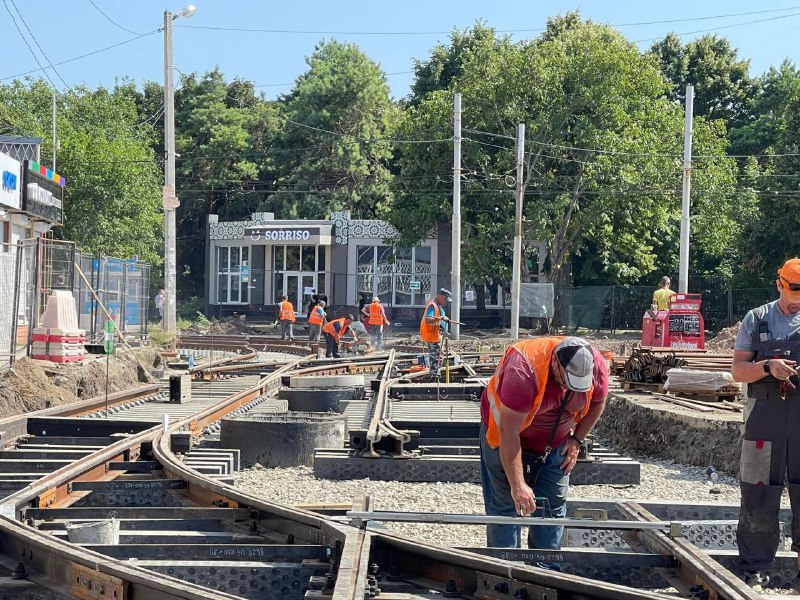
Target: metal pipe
455 329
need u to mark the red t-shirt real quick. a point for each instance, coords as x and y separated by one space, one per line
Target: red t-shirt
517 386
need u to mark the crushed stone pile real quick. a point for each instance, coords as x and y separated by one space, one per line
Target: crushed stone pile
723 341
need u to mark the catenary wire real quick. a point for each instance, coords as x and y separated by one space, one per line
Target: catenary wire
112 21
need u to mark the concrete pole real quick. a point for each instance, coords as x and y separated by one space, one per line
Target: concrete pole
516 273
456 234
55 140
683 275
170 275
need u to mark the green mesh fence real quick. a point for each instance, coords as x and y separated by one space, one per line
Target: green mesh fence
622 306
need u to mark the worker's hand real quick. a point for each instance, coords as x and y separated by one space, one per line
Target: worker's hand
524 500
782 369
446 319
570 454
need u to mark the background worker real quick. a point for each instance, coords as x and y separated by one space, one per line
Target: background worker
287 317
334 330
536 411
765 357
662 295
433 325
316 320
360 343
376 319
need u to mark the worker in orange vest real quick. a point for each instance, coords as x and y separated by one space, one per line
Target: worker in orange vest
536 411
287 317
433 325
376 319
334 330
316 320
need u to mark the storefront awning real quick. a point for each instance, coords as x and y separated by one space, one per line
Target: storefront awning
285 234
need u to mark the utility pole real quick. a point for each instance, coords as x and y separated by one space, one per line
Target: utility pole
683 272
170 205
516 274
456 234
55 140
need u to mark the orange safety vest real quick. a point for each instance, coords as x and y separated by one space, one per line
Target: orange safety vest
287 311
315 318
376 314
430 333
329 328
538 351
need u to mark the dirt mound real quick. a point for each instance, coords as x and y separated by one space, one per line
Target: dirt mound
723 341
225 326
31 385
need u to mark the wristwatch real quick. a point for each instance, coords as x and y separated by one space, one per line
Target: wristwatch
766 367
576 439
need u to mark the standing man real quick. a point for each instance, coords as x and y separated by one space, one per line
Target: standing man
662 295
536 411
287 317
159 300
432 327
316 320
765 358
334 330
376 319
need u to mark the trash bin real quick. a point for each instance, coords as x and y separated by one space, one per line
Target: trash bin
94 532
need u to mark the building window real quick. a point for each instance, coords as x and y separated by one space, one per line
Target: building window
233 275
399 277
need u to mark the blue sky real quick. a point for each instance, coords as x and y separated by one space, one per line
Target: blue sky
401 32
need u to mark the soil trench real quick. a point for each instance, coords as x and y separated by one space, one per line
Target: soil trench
642 424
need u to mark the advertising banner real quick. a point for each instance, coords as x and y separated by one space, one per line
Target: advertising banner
43 193
10 182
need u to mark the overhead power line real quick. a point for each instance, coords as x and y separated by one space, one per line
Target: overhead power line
24 39
38 45
539 30
112 21
81 56
723 27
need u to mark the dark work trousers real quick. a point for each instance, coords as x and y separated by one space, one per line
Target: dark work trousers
770 456
331 346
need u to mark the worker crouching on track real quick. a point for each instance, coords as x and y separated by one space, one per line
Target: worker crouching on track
334 330
537 409
433 326
287 317
765 357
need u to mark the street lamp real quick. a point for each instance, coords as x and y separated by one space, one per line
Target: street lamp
170 198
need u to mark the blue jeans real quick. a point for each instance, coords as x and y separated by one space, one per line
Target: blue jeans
552 484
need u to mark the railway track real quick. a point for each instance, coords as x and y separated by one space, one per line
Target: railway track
187 534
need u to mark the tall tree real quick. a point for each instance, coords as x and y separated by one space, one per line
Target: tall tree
603 165
722 84
112 199
333 151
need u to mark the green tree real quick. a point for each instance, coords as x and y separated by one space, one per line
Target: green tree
112 199
333 151
722 84
603 168
223 133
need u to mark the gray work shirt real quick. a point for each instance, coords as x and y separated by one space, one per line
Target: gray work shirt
779 327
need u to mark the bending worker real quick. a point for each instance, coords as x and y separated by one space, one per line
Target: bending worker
765 357
376 319
287 317
334 330
536 411
316 320
433 325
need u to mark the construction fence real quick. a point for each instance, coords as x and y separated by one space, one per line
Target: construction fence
30 270
620 307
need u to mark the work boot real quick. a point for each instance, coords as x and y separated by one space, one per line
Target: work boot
756 579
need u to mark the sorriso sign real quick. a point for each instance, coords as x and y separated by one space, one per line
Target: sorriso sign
283 235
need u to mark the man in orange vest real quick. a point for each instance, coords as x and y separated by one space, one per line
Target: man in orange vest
434 324
536 411
334 330
376 319
286 316
316 320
